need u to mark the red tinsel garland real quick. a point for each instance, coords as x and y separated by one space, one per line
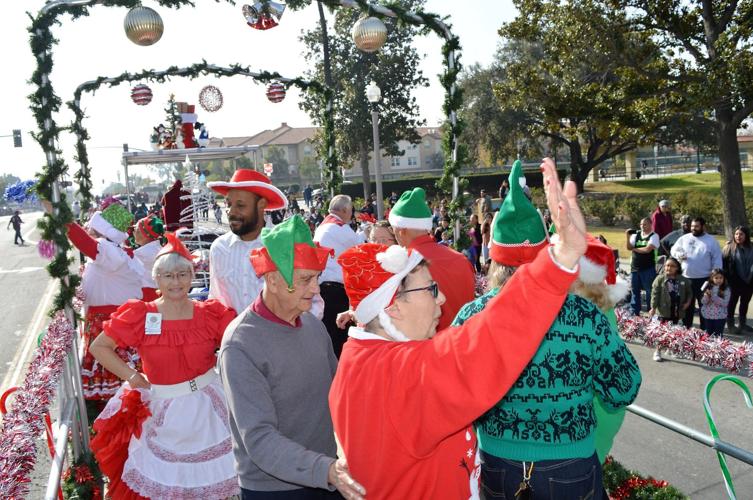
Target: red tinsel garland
687 343
24 422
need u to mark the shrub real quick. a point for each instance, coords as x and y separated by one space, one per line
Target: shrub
634 208
700 204
605 210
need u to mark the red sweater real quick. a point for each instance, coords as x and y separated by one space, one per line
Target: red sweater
452 272
403 411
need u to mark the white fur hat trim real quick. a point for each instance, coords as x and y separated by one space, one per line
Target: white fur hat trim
377 300
591 272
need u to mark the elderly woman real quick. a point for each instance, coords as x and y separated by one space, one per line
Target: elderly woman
382 233
166 433
404 399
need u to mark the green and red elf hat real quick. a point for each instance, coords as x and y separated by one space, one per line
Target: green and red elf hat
151 227
174 245
411 211
289 246
518 232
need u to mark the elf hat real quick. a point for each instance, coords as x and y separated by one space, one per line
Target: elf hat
112 222
411 211
151 227
288 246
372 274
174 245
255 182
518 232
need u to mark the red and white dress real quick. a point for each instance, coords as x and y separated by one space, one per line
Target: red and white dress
173 440
110 278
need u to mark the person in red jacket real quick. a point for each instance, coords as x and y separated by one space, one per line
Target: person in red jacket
404 399
661 219
411 220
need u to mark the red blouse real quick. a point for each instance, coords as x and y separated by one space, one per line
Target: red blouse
183 350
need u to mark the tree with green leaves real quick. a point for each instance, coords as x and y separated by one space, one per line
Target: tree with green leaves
276 156
709 46
576 77
394 68
172 115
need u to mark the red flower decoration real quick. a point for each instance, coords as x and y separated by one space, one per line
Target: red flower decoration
82 474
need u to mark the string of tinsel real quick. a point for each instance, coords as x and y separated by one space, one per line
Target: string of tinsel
192 72
687 343
24 422
21 191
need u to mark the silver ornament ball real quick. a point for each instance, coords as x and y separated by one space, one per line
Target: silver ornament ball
143 26
369 34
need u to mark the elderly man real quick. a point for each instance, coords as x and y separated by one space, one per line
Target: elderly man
411 220
231 278
277 364
661 219
699 253
399 405
335 232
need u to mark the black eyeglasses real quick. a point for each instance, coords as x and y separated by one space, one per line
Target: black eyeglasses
433 289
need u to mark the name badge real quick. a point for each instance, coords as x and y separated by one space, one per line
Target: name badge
153 324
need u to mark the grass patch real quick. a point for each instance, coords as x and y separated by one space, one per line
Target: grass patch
672 184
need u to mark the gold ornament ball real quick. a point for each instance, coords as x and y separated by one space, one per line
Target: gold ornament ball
143 26
369 34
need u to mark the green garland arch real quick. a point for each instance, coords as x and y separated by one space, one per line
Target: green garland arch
194 71
44 103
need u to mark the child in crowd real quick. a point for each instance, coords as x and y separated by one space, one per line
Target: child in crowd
714 302
446 238
671 294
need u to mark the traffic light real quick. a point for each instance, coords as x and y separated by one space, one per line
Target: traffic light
17 138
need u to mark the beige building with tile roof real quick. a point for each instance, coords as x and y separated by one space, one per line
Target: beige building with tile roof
297 144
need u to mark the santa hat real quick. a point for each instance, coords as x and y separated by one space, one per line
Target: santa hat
255 182
174 245
411 211
598 266
372 274
288 246
151 227
112 222
518 232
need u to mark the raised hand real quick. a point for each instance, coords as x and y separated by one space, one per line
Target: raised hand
566 215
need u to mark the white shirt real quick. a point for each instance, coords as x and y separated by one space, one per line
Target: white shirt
232 279
147 254
698 255
339 238
653 240
113 277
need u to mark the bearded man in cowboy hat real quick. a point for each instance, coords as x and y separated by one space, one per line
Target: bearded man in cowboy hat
231 277
276 362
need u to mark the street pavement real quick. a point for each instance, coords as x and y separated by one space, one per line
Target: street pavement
25 292
675 388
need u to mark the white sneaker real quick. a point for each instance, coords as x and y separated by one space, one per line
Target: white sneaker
657 356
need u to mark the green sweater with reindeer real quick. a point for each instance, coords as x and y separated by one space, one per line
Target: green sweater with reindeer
548 414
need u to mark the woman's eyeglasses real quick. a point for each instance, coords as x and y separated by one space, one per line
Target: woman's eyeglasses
433 289
182 276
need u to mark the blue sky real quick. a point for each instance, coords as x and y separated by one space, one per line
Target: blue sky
97 46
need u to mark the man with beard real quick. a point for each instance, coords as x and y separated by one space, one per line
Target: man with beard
232 279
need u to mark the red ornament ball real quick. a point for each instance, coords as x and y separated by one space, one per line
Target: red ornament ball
276 92
141 94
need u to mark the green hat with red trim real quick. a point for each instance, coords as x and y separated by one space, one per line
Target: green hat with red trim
411 211
288 246
518 232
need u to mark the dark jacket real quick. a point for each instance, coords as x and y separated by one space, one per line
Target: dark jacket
660 300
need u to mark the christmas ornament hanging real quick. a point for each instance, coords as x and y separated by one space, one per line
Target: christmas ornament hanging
369 34
210 98
276 92
141 94
263 15
143 26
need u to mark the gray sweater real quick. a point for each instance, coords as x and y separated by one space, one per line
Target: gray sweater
277 380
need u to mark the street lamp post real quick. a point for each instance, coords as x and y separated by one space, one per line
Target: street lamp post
374 95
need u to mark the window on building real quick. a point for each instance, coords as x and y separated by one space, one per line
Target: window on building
395 161
412 161
427 144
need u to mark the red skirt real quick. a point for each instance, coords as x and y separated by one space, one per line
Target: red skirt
97 382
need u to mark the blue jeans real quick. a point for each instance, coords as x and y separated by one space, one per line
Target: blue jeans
714 326
297 494
641 281
569 479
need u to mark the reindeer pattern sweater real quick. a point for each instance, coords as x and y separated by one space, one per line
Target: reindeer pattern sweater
548 413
